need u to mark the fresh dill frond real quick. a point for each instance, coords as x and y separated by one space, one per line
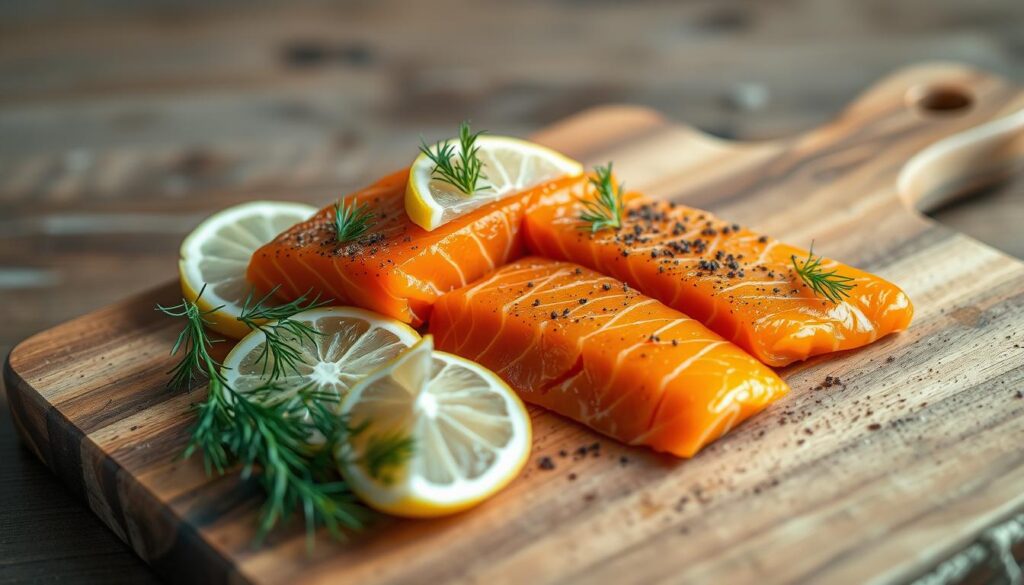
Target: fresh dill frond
268 431
606 210
830 285
285 439
384 453
282 334
270 439
464 174
351 222
193 342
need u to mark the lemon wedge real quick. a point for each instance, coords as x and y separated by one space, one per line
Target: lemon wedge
349 343
217 253
510 165
469 434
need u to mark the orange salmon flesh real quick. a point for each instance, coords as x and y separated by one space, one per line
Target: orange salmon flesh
399 269
738 283
595 350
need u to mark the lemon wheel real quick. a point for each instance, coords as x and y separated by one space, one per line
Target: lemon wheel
470 434
216 254
510 165
349 343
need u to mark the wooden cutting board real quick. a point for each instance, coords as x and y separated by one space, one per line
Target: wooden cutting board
911 466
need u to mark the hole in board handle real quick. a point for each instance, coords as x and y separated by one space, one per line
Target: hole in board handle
940 100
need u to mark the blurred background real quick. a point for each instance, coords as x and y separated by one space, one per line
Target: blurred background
123 123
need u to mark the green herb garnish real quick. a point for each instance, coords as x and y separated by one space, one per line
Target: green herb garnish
464 174
384 453
192 342
268 431
351 222
831 285
280 331
606 210
269 437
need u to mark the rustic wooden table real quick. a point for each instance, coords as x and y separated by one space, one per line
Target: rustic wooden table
122 125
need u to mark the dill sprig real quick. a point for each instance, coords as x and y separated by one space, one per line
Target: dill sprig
192 342
606 210
283 438
270 439
351 222
279 354
464 174
384 453
831 285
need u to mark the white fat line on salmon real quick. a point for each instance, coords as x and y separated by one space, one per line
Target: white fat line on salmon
768 298
577 306
537 288
763 256
592 305
568 286
623 354
680 321
748 238
561 247
499 284
722 424
356 287
508 236
421 284
294 289
337 297
497 276
734 413
437 250
661 241
854 318
652 428
619 359
609 325
505 308
534 341
689 362
751 283
483 251
713 245
631 267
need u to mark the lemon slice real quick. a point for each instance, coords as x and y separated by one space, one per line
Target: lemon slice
510 165
217 253
349 344
470 434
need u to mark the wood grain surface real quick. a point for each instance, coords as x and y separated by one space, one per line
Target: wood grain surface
880 479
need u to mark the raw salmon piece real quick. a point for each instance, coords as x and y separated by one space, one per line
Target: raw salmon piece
593 349
739 283
397 268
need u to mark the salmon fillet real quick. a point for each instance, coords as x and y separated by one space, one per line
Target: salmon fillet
593 349
738 283
397 268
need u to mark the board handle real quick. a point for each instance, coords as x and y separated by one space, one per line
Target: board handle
957 166
969 126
